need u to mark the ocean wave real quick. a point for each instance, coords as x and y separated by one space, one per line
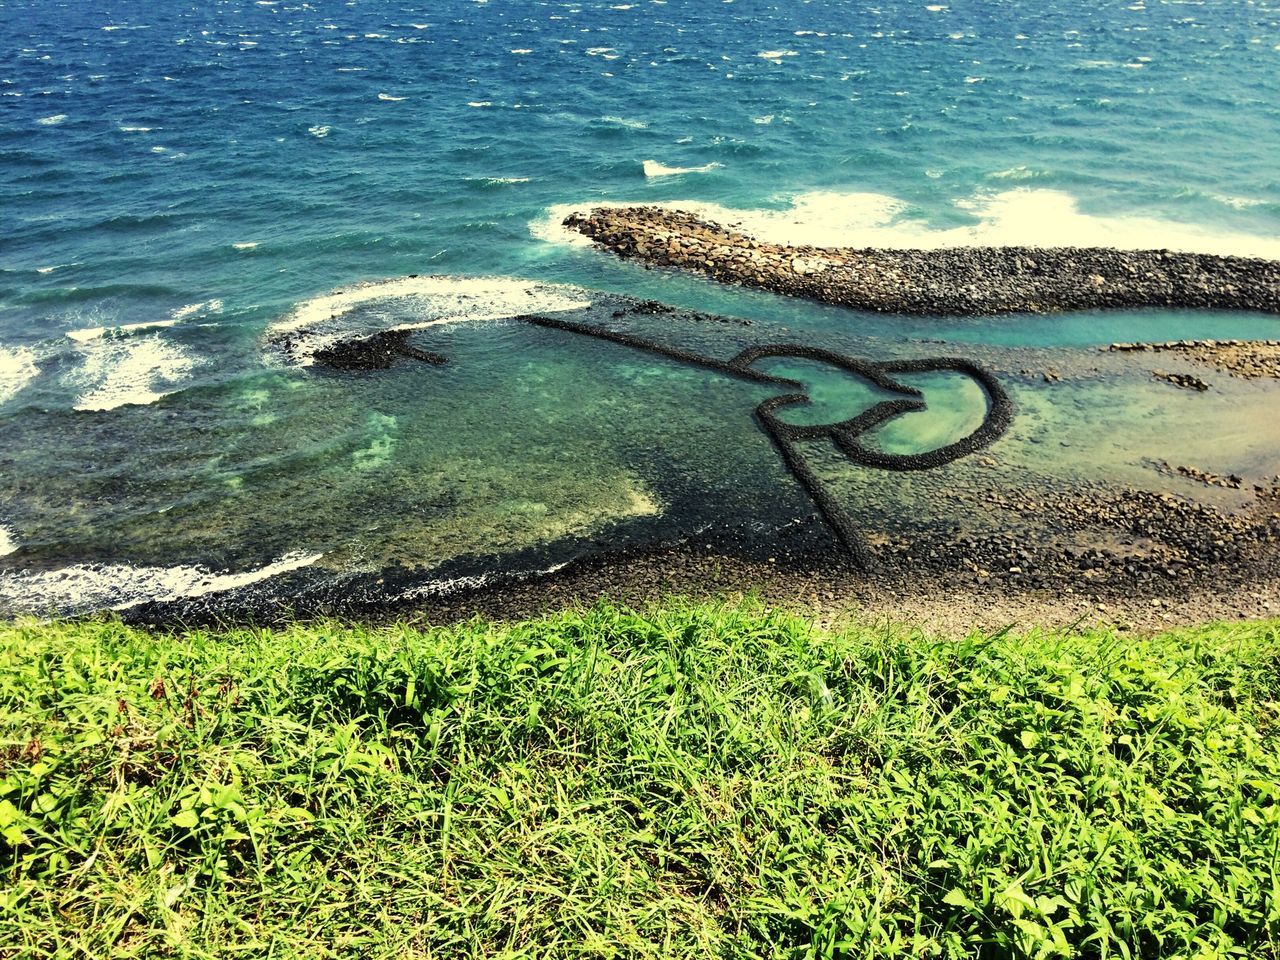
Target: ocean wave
52 121
120 586
17 369
427 301
497 181
204 306
626 122
389 98
1020 172
246 245
652 168
86 334
1023 216
1236 203
319 131
132 371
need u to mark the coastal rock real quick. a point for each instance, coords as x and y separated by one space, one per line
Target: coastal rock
962 281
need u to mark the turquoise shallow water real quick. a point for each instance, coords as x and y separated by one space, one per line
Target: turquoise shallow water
202 169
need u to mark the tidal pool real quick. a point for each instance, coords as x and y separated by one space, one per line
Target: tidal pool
533 446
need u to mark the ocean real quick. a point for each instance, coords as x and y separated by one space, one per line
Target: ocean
180 182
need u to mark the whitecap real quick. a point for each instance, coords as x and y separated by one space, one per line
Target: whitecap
426 301
652 168
52 121
1023 216
1020 172
389 98
204 306
767 118
247 245
17 369
626 122
85 334
320 131
124 129
1236 203
521 51
45 269
479 103
775 55
599 51
120 586
497 181
137 371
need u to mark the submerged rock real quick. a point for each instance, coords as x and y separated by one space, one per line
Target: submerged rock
376 352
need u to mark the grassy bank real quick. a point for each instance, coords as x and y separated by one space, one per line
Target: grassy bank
688 782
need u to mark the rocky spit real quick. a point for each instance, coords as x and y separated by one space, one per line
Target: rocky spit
956 281
1250 359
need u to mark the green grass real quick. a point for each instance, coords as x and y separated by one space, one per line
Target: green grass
688 781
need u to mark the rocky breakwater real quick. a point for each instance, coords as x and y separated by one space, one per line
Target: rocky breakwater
954 281
1249 359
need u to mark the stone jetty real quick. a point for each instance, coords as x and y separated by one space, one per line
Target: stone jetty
959 281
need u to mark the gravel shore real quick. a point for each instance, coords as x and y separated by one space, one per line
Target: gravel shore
955 281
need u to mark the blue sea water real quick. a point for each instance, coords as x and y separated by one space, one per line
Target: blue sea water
201 169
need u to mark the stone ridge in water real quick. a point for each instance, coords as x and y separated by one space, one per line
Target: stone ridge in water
954 281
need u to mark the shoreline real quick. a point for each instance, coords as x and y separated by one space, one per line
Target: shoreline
958 281
1152 560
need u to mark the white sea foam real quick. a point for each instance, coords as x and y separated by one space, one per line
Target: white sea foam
1022 216
775 55
204 306
498 181
119 586
17 369
129 371
479 103
626 122
8 543
45 269
86 334
52 121
652 168
521 51
425 302
389 98
134 129
1236 203
247 245
319 131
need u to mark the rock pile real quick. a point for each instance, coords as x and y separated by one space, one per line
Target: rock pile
956 281
1250 359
